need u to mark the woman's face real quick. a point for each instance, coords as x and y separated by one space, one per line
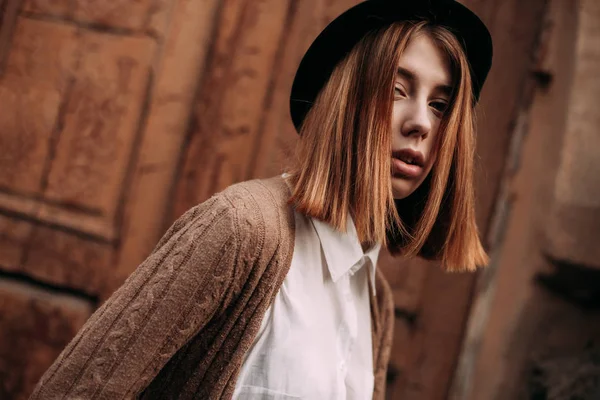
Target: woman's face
421 96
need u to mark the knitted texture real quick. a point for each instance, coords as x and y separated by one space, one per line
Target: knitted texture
180 325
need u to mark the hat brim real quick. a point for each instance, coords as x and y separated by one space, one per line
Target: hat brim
344 32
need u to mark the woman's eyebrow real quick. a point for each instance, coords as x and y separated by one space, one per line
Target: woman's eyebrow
412 77
406 74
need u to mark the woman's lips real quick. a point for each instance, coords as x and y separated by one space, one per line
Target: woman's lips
403 169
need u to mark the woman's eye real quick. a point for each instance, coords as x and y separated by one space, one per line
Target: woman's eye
398 91
439 106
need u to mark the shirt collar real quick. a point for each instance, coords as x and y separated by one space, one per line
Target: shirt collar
343 250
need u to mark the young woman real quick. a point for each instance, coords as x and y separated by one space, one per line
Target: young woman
269 290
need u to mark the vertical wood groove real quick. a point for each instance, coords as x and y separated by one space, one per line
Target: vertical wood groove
9 10
278 64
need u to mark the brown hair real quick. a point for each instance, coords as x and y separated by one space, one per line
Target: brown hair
344 161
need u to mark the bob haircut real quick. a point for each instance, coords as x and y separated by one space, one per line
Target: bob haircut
343 164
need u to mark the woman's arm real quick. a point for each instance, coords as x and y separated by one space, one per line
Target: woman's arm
168 299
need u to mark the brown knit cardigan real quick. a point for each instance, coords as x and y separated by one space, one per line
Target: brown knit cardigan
180 325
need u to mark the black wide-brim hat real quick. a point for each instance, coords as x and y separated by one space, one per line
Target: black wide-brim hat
344 32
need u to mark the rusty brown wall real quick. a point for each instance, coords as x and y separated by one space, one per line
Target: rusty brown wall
117 116
94 101
534 329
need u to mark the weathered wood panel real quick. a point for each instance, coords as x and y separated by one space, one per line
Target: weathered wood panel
35 325
231 98
275 147
160 15
42 57
121 15
407 279
25 140
57 8
576 223
74 91
8 11
43 51
398 368
524 321
68 260
180 68
100 124
14 235
74 102
130 14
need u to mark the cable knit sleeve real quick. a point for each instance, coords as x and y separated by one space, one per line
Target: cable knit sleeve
169 298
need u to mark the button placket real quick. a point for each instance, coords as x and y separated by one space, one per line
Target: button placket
346 326
351 325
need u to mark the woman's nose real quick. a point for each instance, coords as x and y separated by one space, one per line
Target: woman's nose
417 121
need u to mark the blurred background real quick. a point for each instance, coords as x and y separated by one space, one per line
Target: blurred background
116 116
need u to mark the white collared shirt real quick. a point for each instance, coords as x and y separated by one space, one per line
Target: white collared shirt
315 339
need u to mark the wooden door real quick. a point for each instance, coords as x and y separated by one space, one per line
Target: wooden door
94 105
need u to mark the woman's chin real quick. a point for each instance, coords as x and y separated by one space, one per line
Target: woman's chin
402 187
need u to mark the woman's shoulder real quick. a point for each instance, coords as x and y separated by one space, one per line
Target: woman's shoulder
267 192
257 207
263 203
